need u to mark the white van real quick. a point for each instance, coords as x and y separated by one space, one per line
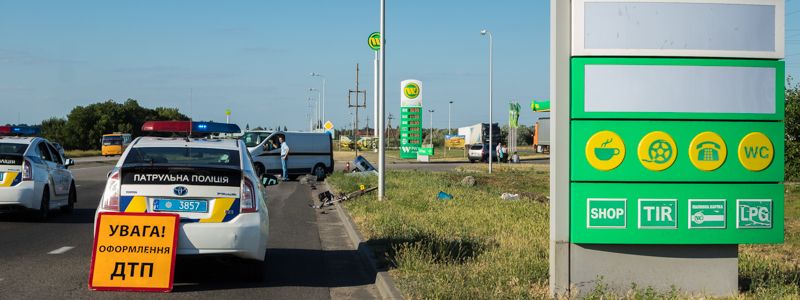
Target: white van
309 153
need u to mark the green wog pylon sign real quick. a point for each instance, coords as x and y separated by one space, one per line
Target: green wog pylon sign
410 118
668 141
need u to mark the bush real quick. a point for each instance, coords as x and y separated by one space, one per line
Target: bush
792 118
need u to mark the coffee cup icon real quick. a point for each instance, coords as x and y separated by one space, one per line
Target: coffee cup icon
606 153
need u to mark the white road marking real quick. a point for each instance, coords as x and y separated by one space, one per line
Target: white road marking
61 250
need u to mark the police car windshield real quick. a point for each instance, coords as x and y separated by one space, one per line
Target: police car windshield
13 148
182 157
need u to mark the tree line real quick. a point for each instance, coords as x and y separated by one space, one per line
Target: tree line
84 126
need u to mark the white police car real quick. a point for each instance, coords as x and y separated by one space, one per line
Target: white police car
210 183
33 174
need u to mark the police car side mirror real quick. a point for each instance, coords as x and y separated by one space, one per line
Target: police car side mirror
69 162
269 180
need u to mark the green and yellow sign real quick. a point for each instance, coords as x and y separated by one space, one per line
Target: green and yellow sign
374 41
411 90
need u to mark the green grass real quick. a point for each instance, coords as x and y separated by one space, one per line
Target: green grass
81 153
478 246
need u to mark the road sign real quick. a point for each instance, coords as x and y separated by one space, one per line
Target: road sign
328 125
134 252
754 213
756 151
606 213
605 150
707 213
374 41
658 213
227 112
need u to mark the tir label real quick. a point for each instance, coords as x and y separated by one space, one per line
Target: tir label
706 213
658 213
134 252
754 213
606 213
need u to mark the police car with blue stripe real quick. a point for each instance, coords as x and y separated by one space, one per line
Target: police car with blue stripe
34 176
210 183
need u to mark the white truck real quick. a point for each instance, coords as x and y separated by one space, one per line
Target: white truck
479 133
541 135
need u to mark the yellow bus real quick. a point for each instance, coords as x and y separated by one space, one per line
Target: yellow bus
114 143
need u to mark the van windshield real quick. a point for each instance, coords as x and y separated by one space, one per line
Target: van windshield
252 139
112 140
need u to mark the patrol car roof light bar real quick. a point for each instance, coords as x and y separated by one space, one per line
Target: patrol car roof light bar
190 127
19 130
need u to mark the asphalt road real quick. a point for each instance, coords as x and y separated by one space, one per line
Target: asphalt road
51 260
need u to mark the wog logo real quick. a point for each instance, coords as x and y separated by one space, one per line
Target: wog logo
411 90
180 190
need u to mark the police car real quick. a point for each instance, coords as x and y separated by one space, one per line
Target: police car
33 174
210 183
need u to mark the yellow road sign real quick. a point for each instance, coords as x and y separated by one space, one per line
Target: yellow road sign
708 151
328 125
756 151
605 150
657 151
134 252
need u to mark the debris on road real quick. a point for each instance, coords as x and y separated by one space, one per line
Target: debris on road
509 196
444 196
327 198
468 181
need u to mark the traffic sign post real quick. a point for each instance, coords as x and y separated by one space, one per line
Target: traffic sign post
671 116
134 252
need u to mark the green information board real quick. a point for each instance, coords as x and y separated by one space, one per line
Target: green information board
705 170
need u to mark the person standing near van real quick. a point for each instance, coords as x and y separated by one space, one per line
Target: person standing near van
284 157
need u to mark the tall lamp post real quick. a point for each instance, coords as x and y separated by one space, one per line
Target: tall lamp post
486 32
449 110
382 105
323 93
311 114
317 123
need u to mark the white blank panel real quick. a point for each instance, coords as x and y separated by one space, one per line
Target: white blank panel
710 28
680 89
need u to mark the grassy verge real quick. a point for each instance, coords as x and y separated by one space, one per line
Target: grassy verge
81 153
474 246
478 246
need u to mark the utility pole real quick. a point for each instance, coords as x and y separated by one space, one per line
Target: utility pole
359 101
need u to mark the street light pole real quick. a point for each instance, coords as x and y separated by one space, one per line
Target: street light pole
382 107
485 32
449 109
324 80
317 122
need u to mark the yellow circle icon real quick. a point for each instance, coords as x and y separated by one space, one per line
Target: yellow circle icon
605 150
708 151
756 151
657 151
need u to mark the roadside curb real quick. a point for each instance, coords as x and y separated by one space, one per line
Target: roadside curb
383 281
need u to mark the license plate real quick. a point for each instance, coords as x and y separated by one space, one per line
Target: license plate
180 205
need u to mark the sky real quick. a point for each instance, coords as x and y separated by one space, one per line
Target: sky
255 57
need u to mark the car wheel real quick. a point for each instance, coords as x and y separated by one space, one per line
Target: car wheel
44 206
472 161
255 270
319 172
259 168
73 197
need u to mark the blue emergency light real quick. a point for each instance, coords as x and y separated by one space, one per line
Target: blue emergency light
213 127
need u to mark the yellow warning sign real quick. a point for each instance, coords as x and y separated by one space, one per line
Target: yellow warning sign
134 252
328 125
657 151
756 151
605 150
707 151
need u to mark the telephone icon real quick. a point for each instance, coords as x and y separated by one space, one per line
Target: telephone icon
708 151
